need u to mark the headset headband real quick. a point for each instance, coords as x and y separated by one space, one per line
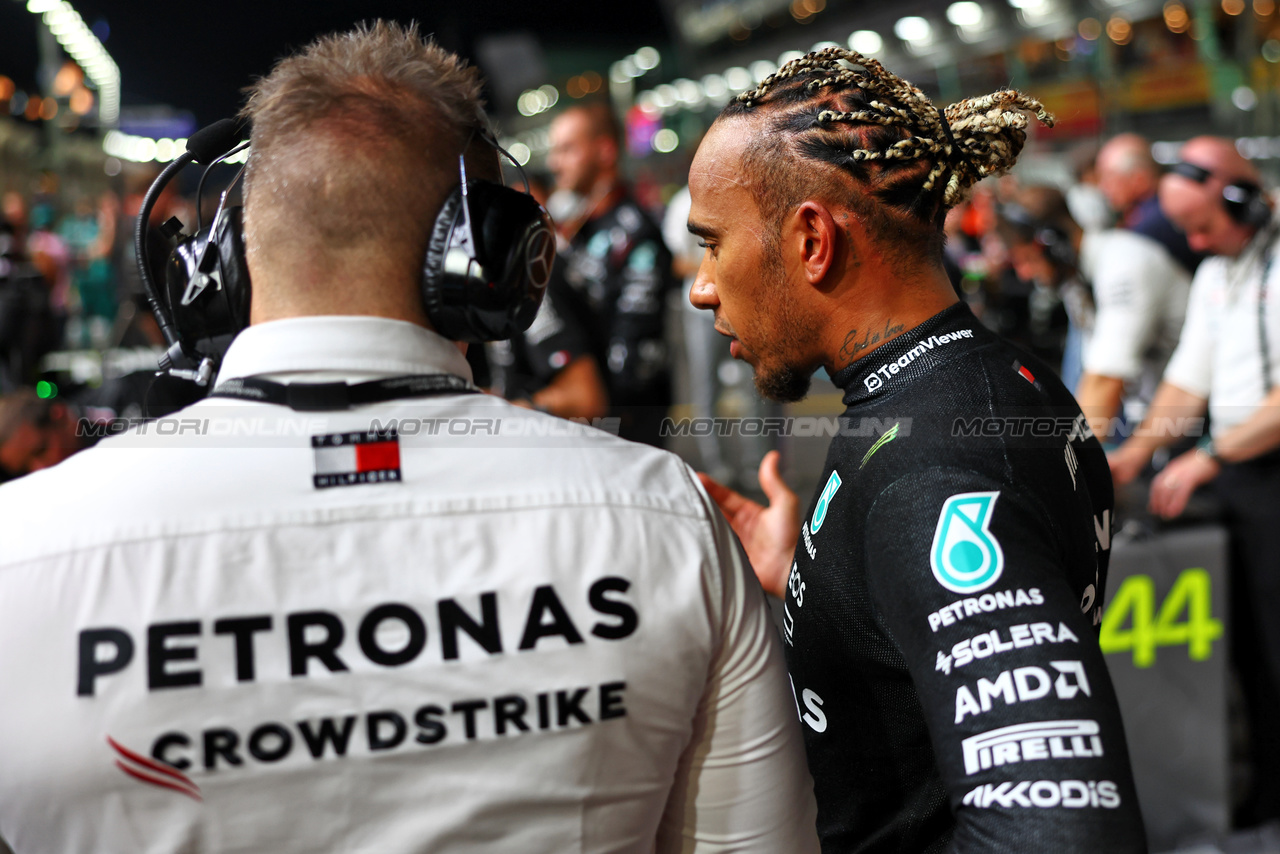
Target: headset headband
1049 236
1237 190
1191 171
489 253
1017 215
1242 199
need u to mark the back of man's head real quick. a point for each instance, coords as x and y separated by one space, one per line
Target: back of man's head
1036 225
1127 173
1033 209
355 147
34 433
1219 156
1193 196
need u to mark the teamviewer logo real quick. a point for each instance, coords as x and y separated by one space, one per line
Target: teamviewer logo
873 382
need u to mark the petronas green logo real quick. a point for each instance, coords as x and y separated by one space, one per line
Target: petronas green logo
824 501
966 557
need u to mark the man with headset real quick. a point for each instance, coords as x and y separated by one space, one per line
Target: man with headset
1123 290
351 607
615 258
1129 177
1227 363
550 366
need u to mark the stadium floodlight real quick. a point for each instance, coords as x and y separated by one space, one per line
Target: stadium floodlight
83 46
913 29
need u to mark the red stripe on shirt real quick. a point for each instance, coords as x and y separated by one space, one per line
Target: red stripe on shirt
378 456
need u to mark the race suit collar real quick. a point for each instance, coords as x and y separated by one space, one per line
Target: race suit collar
346 347
948 333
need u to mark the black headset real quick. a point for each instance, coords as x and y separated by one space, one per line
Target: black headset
1244 201
488 260
1055 242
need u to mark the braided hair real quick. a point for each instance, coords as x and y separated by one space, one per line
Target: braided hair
911 162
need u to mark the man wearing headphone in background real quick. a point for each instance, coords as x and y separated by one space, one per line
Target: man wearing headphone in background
1124 290
615 258
1129 177
35 433
369 633
551 366
1227 363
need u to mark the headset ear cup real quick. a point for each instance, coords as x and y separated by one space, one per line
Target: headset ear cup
1261 212
1057 246
433 267
487 284
237 287
1246 204
209 306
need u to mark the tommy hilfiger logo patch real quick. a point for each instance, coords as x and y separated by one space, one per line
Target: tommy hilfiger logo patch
346 459
150 771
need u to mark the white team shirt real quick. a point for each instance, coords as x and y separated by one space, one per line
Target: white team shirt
1140 293
534 637
1219 356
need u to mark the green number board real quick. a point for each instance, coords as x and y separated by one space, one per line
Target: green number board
1132 622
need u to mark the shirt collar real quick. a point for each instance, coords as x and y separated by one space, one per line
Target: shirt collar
895 364
355 347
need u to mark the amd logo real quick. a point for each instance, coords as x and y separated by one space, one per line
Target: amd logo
1023 684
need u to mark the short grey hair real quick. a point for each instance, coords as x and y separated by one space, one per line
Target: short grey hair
356 137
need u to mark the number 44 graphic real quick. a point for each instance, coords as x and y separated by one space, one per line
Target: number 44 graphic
1135 602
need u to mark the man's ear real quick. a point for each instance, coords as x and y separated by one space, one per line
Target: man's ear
815 240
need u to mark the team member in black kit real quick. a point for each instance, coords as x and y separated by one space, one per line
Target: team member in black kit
943 592
550 366
616 260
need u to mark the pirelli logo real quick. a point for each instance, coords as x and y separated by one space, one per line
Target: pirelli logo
1030 741
347 459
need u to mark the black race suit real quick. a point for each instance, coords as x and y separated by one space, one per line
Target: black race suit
940 617
620 265
528 362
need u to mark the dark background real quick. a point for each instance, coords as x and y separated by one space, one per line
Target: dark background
198 56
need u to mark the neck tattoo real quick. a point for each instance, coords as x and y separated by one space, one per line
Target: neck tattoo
856 342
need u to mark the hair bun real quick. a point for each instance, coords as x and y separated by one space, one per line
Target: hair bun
989 134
